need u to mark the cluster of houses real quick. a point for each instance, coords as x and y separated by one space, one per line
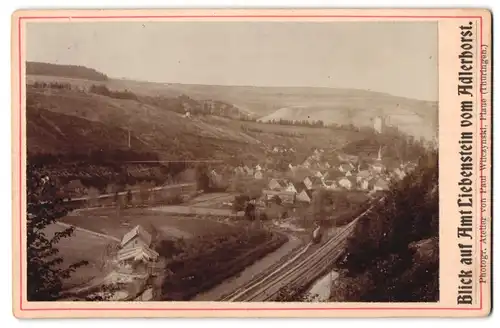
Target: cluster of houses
256 172
347 173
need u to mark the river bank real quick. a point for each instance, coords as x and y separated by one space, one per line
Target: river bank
249 272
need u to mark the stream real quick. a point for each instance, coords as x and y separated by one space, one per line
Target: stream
321 289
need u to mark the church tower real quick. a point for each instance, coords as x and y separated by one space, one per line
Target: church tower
379 157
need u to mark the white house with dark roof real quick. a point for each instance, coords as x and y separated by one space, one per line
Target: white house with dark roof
347 183
278 184
380 185
363 175
399 173
378 167
344 168
250 171
330 184
313 182
318 174
290 187
306 163
364 184
239 170
285 196
258 175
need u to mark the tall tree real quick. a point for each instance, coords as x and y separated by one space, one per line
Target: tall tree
46 272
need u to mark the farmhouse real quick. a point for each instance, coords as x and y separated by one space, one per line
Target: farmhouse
135 248
136 237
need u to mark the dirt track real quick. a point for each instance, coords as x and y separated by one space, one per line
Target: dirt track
192 210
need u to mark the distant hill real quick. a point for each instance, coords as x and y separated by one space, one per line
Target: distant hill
359 108
341 106
70 71
155 114
331 105
102 122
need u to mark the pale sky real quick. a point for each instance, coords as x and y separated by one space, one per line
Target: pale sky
399 58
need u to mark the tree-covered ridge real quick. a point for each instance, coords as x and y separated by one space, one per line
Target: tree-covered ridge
71 71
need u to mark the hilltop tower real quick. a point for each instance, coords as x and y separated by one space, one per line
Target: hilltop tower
378 124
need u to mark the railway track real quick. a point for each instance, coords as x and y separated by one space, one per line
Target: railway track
299 270
266 274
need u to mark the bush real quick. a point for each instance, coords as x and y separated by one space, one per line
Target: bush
45 270
206 261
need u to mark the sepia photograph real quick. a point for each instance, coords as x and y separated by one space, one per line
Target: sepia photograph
232 161
247 161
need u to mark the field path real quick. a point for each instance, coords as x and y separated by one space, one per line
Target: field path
191 210
89 231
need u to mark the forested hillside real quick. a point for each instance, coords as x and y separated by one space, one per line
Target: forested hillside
393 254
71 71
